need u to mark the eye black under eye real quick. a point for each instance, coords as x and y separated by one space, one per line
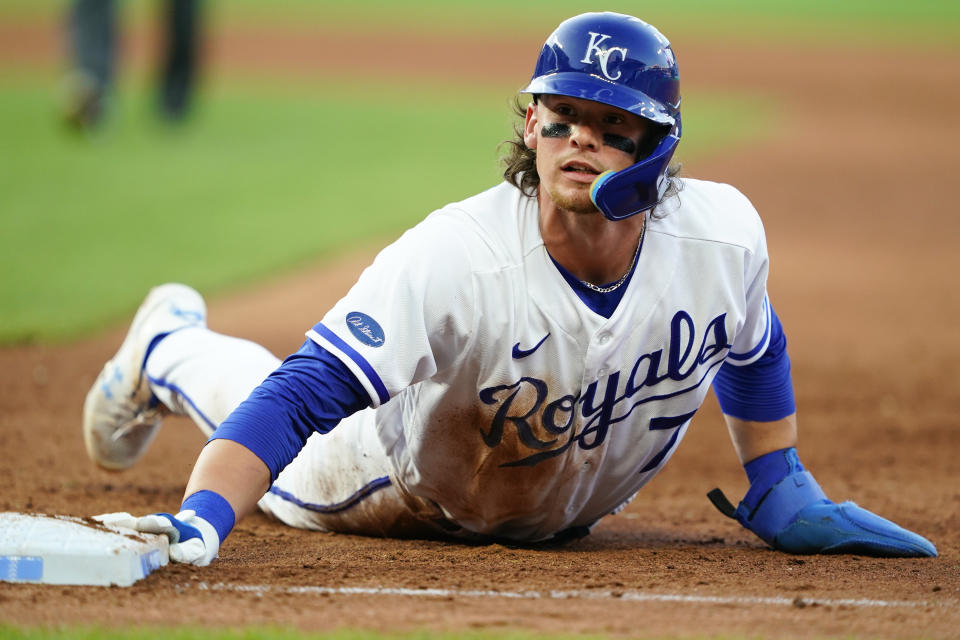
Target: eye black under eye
555 130
626 145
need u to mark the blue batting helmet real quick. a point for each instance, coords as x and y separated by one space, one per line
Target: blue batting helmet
622 61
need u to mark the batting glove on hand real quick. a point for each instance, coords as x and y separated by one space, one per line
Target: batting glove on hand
793 514
193 540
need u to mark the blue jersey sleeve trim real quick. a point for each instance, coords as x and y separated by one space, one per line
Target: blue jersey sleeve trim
357 359
740 357
761 391
312 391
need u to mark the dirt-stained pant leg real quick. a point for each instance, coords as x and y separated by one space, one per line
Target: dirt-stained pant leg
341 481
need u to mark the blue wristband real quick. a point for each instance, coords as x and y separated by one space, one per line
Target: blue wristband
771 468
213 508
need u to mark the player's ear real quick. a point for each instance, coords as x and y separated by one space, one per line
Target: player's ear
530 126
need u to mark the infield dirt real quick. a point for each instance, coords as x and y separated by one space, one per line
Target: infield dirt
856 187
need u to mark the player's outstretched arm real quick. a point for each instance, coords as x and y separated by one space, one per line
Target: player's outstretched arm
787 509
226 483
310 392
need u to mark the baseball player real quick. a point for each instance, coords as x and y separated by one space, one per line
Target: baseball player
516 366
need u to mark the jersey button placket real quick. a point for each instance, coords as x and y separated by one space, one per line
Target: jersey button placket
602 339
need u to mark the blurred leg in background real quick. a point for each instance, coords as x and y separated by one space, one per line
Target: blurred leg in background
92 27
178 72
93 40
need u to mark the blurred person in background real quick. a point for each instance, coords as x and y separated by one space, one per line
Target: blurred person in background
92 29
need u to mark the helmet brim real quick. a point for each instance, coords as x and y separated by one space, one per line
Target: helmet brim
598 89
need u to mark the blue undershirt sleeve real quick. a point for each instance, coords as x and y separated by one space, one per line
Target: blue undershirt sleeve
761 391
311 391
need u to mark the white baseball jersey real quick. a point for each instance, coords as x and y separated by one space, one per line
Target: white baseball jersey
507 401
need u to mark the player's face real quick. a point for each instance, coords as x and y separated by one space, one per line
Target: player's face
577 140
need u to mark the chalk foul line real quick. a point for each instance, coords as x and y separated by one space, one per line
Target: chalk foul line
586 594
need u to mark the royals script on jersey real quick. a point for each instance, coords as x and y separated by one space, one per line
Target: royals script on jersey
503 398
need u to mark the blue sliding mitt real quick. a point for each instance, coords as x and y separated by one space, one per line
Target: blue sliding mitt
789 511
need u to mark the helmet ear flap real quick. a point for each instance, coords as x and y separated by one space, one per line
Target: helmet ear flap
639 187
651 139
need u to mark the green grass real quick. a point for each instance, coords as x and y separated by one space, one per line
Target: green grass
261 181
266 178
918 23
890 22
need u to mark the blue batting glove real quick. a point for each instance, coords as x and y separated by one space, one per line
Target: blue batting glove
176 530
194 538
789 511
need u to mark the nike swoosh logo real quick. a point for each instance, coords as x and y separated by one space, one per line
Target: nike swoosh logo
523 353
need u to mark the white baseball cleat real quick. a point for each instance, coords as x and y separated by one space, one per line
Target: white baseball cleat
121 415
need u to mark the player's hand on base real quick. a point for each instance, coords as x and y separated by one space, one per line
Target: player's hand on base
793 514
193 540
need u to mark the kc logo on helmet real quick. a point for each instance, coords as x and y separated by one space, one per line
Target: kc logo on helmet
603 55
